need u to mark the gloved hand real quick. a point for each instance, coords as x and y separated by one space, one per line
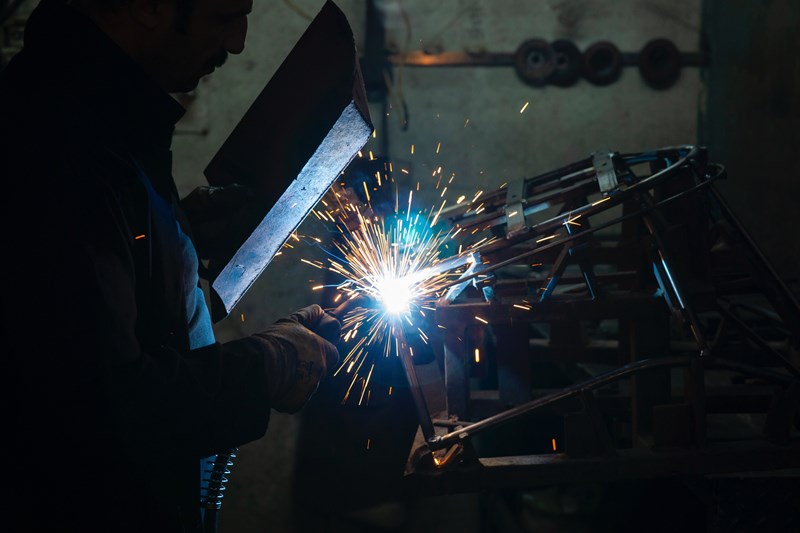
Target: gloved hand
317 320
298 358
211 211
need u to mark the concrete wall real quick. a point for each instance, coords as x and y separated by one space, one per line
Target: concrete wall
560 125
751 123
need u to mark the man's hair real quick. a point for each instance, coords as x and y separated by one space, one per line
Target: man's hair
183 8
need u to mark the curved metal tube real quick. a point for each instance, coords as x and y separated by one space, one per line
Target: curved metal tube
443 441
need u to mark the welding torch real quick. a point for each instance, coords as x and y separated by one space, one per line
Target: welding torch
330 325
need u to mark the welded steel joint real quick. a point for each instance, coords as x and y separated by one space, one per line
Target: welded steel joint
515 208
603 163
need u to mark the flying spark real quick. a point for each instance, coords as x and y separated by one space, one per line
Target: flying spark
393 262
396 263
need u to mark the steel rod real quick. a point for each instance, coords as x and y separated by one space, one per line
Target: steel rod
404 352
524 255
443 441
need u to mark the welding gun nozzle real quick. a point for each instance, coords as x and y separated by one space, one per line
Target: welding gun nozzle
362 300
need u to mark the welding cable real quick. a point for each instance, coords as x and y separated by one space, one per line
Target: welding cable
213 487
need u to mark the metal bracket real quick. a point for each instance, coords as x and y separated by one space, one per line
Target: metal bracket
475 265
604 167
515 208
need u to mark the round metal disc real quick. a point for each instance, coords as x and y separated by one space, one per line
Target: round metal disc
660 63
568 62
602 63
533 62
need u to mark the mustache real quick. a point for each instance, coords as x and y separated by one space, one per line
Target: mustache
220 59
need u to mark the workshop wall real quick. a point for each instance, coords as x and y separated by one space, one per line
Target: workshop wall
475 112
471 114
751 122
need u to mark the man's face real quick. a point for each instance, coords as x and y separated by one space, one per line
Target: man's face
193 48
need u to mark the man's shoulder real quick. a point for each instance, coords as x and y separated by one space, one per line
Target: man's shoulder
56 145
54 134
44 103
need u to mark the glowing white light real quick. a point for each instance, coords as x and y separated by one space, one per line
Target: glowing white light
395 294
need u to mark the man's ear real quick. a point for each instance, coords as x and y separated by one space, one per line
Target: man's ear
153 14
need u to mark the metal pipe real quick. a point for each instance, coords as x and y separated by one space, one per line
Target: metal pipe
594 229
686 311
443 441
404 352
784 301
761 343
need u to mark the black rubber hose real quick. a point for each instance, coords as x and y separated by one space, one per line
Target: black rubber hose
210 521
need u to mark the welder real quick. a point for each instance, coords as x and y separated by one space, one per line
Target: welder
114 386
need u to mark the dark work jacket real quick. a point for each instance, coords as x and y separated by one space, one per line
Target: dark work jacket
106 410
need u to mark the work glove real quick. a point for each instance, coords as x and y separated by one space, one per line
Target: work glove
297 357
211 212
317 320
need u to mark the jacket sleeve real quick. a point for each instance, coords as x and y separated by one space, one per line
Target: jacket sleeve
73 307
199 401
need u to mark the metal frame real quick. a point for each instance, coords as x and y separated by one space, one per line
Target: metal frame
680 178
